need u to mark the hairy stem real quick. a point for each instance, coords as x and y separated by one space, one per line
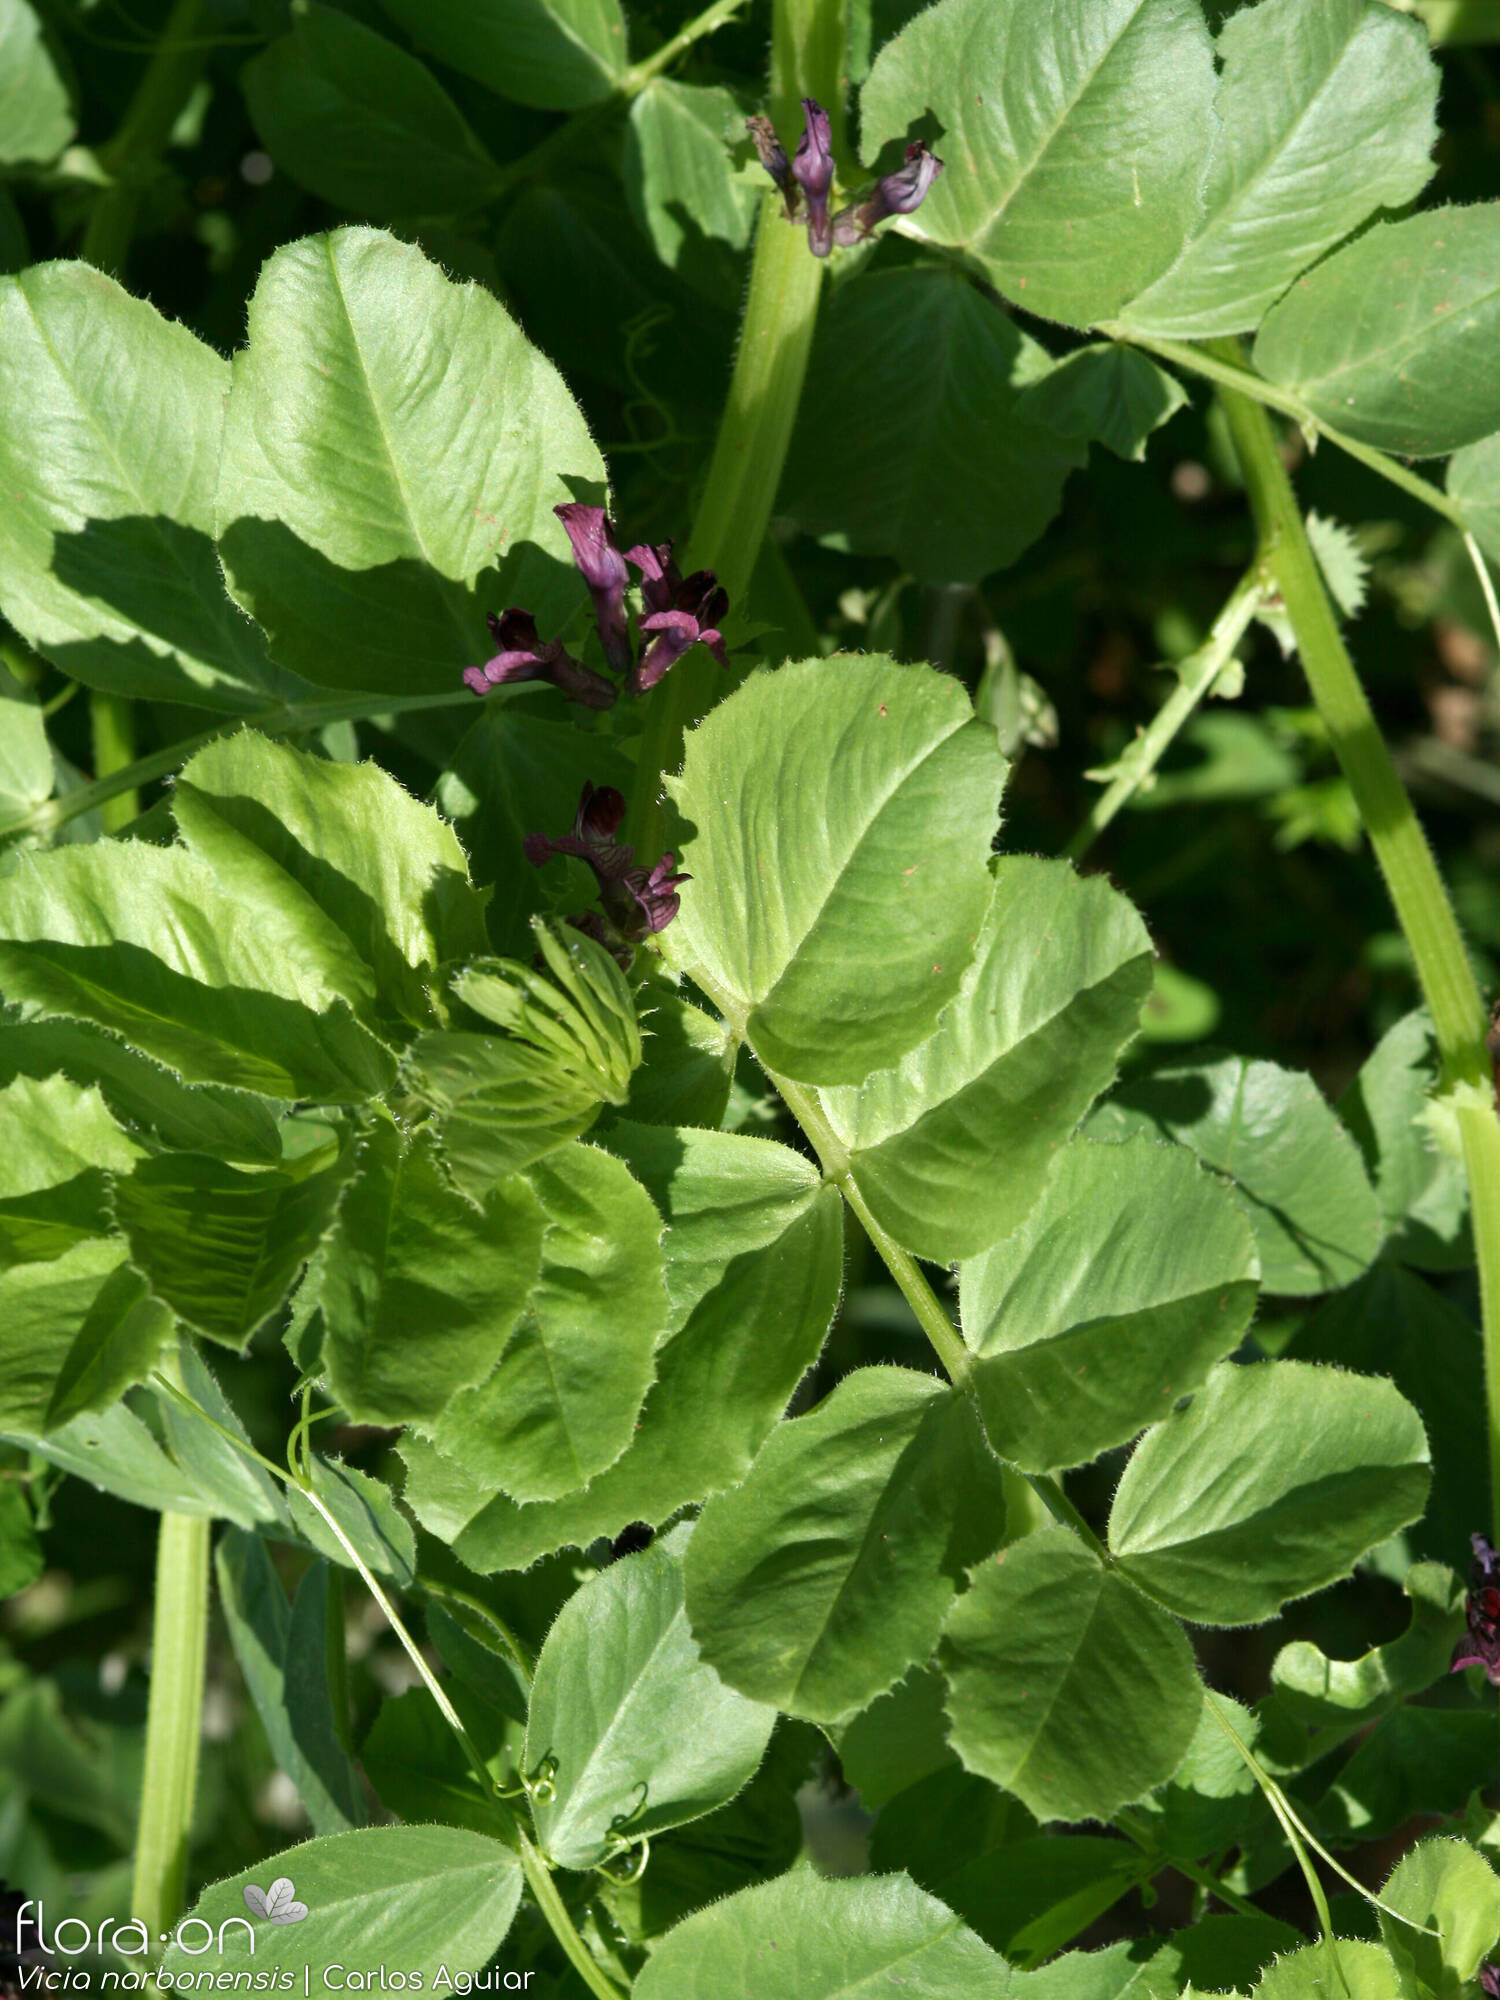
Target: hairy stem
175 66
174 1723
1196 675
756 427
550 1903
1406 861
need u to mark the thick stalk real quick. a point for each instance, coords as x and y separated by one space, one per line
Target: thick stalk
174 1723
756 428
1406 861
112 725
545 1894
174 68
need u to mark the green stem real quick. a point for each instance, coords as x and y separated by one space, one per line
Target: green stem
175 66
1197 675
112 725
755 430
1137 1830
174 1723
1406 861
550 1903
708 22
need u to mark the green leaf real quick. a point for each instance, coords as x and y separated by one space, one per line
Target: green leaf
1448 1886
366 1511
117 1454
1303 1184
1114 394
453 438
817 1582
1212 1801
1394 1323
829 1940
361 123
1324 114
20 1551
1308 1974
555 54
387 872
409 1255
26 772
110 424
1065 1685
1075 138
190 964
209 1442
753 1264
1273 1482
75 1333
1422 1191
514 773
59 1147
1132 1276
419 1769
379 1896
838 817
1051 997
1389 339
915 438
631 1730
687 1059
36 116
562 1404
282 1655
680 181
1473 480
223 1247
1344 1695
901 1738
1419 1761
144 1096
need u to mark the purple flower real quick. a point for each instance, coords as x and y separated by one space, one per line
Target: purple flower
1480 1647
895 194
523 656
773 158
680 612
812 170
592 534
637 901
1489 1981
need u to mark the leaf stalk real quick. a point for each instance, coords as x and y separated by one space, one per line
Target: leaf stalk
174 1723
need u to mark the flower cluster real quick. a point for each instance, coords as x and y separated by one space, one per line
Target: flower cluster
1480 1646
637 901
678 612
806 182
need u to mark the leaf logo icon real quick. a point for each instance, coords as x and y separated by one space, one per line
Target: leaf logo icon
278 1904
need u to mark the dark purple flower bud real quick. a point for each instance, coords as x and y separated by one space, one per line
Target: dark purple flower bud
1489 1981
773 158
692 618
1480 1647
895 194
638 902
660 577
813 172
603 569
523 656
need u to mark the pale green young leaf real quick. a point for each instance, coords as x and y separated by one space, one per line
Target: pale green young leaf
1075 137
1324 114
190 966
951 1148
378 1896
753 1263
1390 339
1296 1169
36 114
1065 1684
118 1454
419 1288
833 1940
563 1402
915 436
1271 1483
392 455
26 769
1447 1886
632 1730
110 423
75 1333
1109 393
498 1106
220 1246
1421 1189
356 120
207 1439
279 1662
385 871
1322 1693
554 54
817 1582
837 817
1133 1275
59 1147
1366 1973
366 1510
680 181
